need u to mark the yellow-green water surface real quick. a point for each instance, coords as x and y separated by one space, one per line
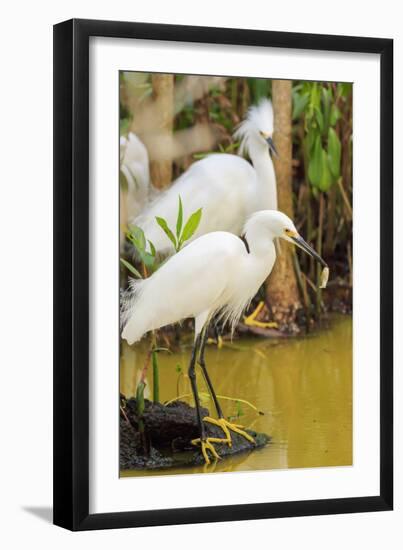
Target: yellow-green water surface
303 386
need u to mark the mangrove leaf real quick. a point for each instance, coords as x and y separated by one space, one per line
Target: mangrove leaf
191 226
179 220
131 268
164 226
334 153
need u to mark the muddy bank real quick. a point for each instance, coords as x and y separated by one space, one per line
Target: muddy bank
168 430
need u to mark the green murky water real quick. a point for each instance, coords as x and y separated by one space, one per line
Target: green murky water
303 386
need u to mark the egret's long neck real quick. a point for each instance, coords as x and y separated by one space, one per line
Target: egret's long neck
263 165
261 245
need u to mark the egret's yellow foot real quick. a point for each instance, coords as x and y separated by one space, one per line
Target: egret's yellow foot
218 342
226 427
207 445
251 320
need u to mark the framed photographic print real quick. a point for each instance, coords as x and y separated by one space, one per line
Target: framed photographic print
223 274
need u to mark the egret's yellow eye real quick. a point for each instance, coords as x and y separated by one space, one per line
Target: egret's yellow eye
290 232
264 134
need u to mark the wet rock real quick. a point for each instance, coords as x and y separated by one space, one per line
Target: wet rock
169 430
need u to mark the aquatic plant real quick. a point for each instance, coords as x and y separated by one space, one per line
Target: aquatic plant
156 377
183 232
147 254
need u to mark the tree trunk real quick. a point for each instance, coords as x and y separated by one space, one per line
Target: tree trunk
282 289
163 96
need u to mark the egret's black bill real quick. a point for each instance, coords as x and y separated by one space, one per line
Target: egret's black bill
299 241
272 148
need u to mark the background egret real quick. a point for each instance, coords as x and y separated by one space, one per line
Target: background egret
227 187
134 166
214 275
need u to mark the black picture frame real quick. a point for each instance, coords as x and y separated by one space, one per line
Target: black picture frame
71 274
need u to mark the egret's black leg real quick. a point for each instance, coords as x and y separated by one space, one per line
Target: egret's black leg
217 334
192 376
202 363
224 424
206 444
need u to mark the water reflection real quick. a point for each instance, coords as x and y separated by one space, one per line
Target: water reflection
303 386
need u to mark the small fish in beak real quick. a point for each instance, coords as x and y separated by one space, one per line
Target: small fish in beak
301 243
324 277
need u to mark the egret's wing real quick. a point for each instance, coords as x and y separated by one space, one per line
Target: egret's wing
219 184
190 282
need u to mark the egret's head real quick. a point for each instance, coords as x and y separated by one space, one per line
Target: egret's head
257 128
288 232
275 224
278 224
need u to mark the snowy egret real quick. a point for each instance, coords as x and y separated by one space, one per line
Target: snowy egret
134 164
226 186
216 274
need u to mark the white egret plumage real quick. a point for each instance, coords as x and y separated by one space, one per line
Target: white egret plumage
134 164
216 274
226 186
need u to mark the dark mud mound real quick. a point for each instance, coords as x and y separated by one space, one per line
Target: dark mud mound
168 430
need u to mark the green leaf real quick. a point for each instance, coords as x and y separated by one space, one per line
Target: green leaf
148 259
314 98
319 118
179 220
311 137
164 226
152 248
259 87
326 99
334 153
239 410
199 156
318 169
344 89
325 178
124 125
315 162
299 104
232 146
334 115
191 225
156 377
137 237
140 396
131 268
